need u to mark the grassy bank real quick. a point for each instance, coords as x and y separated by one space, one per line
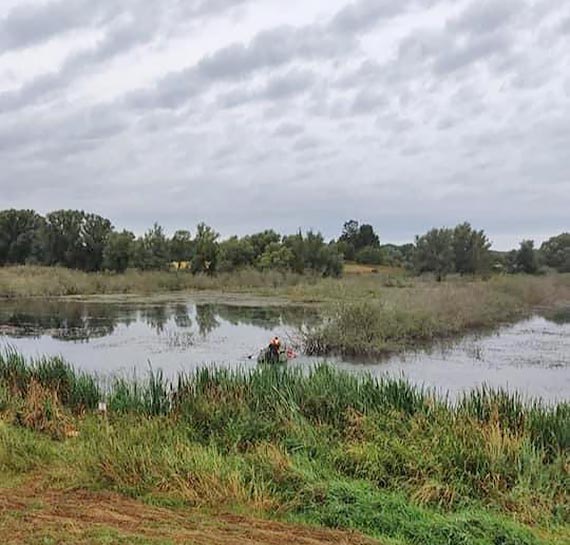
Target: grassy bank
381 457
31 281
394 319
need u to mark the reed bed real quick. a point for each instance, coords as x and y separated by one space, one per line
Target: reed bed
378 455
391 320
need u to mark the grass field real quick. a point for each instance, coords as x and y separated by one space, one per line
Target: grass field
326 449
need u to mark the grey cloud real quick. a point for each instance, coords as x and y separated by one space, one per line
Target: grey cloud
278 87
288 129
564 26
367 101
484 16
290 84
271 49
306 143
364 14
461 55
419 148
237 97
119 39
31 24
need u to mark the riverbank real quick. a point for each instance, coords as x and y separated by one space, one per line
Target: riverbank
378 457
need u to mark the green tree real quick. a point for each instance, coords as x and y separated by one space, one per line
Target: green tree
355 237
236 253
62 238
370 255
118 252
95 232
19 232
182 247
151 251
526 259
260 241
276 256
367 238
471 250
434 253
556 252
206 253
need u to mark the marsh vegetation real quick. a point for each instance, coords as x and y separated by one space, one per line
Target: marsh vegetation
379 456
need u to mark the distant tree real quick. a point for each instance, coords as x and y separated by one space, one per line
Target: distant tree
260 241
471 250
118 252
348 240
370 255
526 259
556 252
151 251
434 253
236 253
296 244
277 257
206 252
19 232
74 239
181 246
355 237
367 238
95 233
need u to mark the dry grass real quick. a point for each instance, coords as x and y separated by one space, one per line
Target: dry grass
32 514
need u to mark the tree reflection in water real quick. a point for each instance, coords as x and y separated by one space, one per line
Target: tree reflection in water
82 320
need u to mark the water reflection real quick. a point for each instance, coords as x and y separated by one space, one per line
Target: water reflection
532 357
83 321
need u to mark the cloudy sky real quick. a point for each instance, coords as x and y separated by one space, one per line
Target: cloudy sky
249 114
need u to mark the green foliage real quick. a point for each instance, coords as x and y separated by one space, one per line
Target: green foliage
260 242
369 255
206 253
471 250
19 230
356 237
277 257
526 260
346 504
119 251
556 252
434 253
74 239
322 446
182 246
236 253
78 391
151 252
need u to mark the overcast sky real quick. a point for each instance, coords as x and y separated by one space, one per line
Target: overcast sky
407 114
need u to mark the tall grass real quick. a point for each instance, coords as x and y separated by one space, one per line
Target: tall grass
390 320
33 281
381 456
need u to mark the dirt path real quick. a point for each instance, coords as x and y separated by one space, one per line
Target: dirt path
29 515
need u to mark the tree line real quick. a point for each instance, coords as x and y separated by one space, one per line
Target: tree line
89 242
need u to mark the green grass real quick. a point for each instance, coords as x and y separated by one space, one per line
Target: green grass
34 281
389 320
325 447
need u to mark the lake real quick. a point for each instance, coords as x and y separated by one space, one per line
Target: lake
124 336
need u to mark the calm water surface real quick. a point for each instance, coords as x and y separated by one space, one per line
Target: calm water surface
125 336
